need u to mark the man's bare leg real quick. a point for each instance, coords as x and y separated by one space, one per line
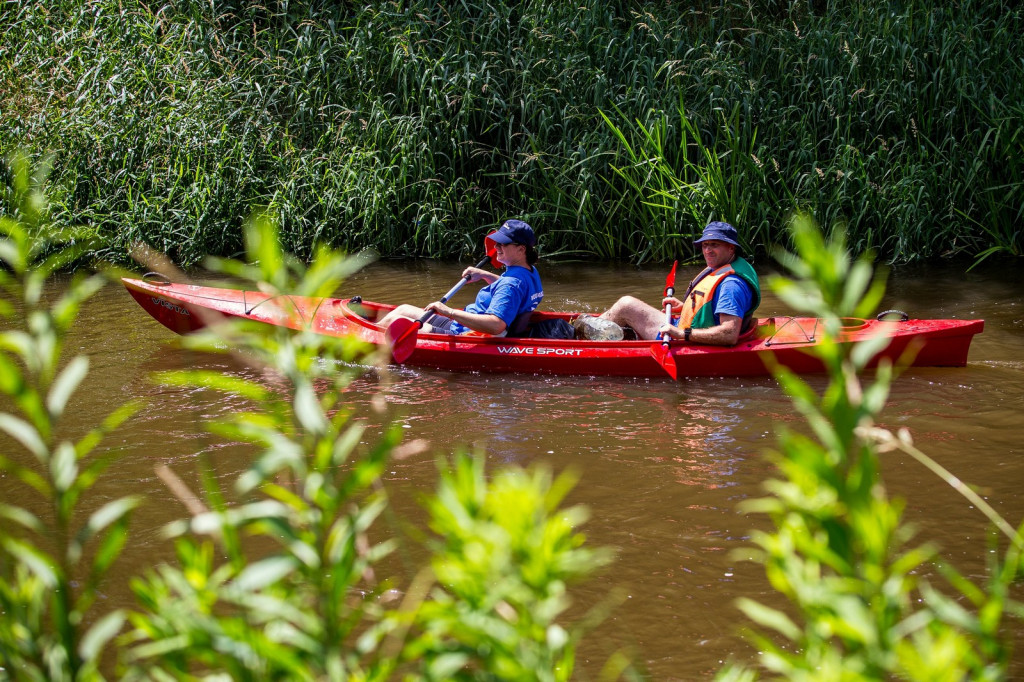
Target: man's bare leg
410 312
629 311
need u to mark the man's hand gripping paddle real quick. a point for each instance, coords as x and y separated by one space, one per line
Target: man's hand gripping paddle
660 351
402 333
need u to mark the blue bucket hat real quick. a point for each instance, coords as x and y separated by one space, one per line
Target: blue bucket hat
514 232
723 232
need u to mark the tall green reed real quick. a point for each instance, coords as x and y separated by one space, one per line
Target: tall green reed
679 182
412 128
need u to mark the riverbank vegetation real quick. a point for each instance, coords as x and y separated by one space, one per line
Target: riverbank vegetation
616 128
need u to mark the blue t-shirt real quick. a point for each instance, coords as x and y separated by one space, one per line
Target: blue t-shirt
732 297
517 291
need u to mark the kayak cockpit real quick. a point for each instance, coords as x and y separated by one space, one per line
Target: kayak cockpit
364 311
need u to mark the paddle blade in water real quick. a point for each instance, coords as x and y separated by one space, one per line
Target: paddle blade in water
401 336
664 358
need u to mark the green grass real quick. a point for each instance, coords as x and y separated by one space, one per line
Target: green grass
414 127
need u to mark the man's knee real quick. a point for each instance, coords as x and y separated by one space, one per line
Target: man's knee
407 310
628 303
404 310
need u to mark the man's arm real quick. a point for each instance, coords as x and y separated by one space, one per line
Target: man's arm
732 299
726 333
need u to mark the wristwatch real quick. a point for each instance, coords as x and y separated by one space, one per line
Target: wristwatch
686 334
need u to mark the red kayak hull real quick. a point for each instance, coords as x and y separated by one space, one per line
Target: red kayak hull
185 308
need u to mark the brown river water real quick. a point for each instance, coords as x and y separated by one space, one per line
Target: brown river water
662 465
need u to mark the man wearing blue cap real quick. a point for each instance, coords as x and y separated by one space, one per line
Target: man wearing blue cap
718 306
507 298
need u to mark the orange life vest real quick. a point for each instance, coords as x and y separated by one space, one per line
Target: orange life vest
702 290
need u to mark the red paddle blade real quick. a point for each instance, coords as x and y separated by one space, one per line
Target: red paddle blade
665 359
492 252
401 336
670 280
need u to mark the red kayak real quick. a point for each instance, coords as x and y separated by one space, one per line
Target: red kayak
184 308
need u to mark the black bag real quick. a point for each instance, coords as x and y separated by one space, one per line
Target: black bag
552 329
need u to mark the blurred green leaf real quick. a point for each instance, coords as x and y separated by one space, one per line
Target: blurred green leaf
23 432
215 380
112 421
111 545
260 574
26 475
99 635
66 383
65 310
63 467
11 381
20 516
307 409
768 617
862 353
108 514
41 565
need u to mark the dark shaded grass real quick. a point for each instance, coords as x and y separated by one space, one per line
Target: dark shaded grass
414 127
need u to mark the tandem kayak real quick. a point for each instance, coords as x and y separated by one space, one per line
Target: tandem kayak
184 308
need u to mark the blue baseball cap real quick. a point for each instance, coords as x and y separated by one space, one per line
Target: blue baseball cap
723 232
514 232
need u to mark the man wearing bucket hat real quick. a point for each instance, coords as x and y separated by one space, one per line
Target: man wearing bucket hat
506 298
718 306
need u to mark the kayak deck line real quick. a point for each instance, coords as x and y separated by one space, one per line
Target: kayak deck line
804 335
184 308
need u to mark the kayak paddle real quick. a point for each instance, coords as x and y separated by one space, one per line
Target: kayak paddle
402 333
660 350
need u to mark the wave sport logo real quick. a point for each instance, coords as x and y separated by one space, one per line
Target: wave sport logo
536 350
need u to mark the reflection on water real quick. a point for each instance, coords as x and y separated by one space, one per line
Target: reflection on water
574 419
662 465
